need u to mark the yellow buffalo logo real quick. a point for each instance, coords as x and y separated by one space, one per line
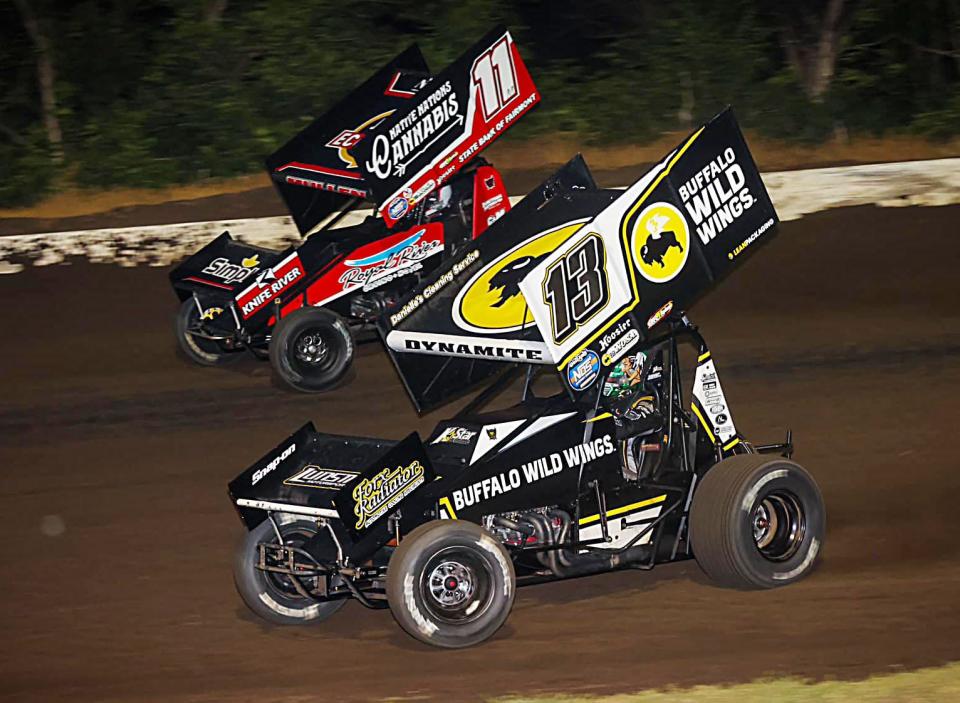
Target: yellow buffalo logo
491 301
251 261
661 242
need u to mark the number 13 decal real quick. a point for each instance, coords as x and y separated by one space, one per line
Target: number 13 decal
575 287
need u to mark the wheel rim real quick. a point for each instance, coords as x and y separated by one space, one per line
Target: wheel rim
282 584
313 350
194 323
456 586
779 525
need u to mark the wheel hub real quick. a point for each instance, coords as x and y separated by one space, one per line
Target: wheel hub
311 348
451 584
779 525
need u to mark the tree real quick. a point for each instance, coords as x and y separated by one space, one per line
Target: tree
811 36
46 77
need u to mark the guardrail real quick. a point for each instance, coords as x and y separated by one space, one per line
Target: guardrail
795 194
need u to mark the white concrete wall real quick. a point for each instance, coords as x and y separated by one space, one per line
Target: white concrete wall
795 194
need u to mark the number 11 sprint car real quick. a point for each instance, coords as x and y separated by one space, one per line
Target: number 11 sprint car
407 140
613 469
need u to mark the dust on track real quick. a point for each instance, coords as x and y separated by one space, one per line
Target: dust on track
844 328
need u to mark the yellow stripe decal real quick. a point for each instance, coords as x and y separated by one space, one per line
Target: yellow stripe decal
601 416
704 423
704 356
624 509
731 444
627 251
445 502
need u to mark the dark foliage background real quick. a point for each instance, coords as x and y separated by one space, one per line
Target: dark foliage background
98 93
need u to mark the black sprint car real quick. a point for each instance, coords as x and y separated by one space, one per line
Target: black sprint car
613 469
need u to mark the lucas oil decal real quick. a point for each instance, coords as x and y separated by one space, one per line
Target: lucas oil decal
374 497
269 284
491 301
532 471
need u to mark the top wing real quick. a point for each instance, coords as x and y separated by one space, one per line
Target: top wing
460 325
316 172
459 113
665 241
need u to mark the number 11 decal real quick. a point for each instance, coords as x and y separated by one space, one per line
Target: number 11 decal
575 287
494 72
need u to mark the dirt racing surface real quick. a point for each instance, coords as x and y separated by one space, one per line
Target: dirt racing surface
118 534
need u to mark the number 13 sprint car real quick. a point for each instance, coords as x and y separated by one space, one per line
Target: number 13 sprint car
632 463
407 140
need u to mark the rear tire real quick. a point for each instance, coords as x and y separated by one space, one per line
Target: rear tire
205 352
450 584
311 349
757 522
268 594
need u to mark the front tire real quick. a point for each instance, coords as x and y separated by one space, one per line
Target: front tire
757 522
272 596
311 349
450 584
206 352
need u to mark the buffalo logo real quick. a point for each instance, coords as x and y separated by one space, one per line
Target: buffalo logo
507 280
251 261
490 301
661 242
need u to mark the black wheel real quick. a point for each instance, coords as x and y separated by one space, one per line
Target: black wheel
757 522
273 596
311 349
206 352
450 584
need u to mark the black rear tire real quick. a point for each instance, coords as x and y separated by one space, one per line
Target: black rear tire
450 584
757 522
269 595
311 349
205 352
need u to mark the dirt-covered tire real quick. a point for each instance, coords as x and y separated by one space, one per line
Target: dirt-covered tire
450 584
757 522
270 595
205 352
311 349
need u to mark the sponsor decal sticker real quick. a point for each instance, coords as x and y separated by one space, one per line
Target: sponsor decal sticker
231 273
433 288
398 208
660 314
661 242
716 195
466 347
583 370
455 435
269 283
374 497
621 347
490 301
259 474
533 471
312 476
491 203
405 257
